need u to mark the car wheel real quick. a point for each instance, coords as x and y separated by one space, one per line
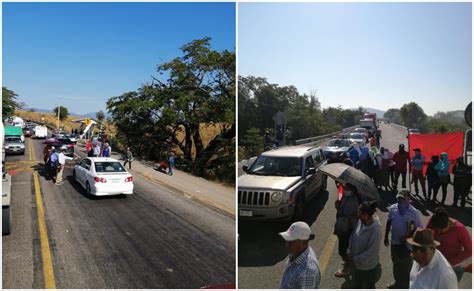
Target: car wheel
7 221
325 183
88 189
299 208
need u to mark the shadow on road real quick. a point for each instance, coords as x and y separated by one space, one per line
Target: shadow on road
82 191
261 245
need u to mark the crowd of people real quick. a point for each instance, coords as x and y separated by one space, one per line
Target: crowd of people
96 147
385 168
55 161
423 256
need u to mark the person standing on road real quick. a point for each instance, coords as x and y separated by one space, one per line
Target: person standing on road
442 168
433 179
62 163
401 158
402 220
455 240
364 247
302 266
89 148
107 150
378 136
462 181
267 141
97 150
171 161
128 159
430 268
418 161
346 221
53 164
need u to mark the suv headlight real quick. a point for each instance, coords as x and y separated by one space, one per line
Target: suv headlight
276 196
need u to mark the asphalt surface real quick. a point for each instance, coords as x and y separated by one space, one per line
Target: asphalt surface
154 238
262 255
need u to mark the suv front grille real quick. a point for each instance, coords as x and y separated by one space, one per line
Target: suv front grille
253 198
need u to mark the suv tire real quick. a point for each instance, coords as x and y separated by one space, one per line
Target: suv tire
299 208
7 221
324 186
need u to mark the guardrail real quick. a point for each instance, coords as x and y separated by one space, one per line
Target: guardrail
311 140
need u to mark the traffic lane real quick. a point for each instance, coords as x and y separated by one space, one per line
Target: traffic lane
262 251
20 250
392 137
264 255
151 239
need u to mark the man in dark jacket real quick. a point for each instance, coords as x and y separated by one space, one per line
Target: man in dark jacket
462 181
433 179
401 158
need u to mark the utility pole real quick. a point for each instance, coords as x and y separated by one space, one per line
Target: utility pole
59 110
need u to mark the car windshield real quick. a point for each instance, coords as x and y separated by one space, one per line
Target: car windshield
362 130
276 166
339 143
13 139
355 136
64 140
108 167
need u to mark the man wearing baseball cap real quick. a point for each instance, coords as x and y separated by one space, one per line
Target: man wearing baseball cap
302 266
430 268
418 161
401 216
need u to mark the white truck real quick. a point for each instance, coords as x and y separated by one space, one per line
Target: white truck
368 124
6 193
41 131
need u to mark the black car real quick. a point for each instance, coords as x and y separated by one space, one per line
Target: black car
337 150
67 145
27 132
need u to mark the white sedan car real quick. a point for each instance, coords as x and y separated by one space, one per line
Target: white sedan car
103 176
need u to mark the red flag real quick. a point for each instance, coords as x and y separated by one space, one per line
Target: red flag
435 144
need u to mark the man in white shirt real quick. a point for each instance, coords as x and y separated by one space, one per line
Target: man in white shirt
62 162
430 268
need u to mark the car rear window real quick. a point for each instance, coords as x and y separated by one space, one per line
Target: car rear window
108 167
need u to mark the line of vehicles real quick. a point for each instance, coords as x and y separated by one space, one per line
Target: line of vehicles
279 183
99 176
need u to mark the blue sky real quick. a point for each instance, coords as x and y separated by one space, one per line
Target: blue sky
379 55
88 52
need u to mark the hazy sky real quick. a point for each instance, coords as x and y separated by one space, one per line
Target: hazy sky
88 52
379 55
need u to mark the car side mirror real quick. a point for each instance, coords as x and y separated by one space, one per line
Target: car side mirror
311 171
245 168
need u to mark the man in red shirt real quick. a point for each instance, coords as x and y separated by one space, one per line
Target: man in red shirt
455 241
401 158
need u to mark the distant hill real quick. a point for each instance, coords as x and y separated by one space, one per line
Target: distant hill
90 114
379 113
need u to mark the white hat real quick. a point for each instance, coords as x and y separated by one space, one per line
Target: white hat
298 231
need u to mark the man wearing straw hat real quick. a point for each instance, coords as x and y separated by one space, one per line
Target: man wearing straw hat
430 268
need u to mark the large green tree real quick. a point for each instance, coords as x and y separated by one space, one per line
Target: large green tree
393 115
63 112
412 115
9 102
194 90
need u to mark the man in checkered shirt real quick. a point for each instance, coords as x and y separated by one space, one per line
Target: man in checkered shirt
302 266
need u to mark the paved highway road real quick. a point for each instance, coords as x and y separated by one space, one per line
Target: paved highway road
261 251
151 239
